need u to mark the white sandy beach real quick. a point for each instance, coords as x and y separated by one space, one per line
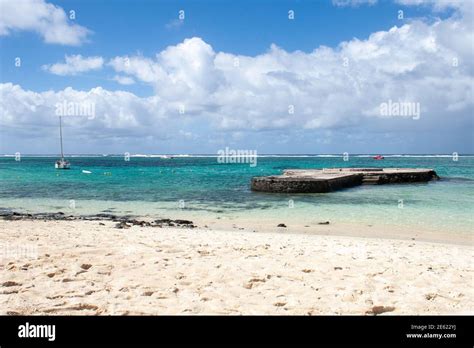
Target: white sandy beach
90 267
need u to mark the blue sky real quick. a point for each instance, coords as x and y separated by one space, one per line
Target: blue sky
298 71
241 27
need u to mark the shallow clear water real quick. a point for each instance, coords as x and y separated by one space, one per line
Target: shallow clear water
155 186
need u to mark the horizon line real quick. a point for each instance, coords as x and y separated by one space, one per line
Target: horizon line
263 154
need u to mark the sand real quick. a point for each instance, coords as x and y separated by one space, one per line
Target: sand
90 267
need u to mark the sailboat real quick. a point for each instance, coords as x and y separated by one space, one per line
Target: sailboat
61 163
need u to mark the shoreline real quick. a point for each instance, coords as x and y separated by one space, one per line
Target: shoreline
263 225
84 267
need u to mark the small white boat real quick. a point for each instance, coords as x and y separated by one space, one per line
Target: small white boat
61 163
87 172
166 157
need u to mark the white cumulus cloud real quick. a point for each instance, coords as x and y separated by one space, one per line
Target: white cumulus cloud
48 20
74 65
124 80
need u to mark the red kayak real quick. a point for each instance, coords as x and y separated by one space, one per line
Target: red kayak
378 157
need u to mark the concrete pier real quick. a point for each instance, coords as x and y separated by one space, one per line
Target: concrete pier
327 180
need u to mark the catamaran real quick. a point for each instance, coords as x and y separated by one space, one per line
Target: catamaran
61 163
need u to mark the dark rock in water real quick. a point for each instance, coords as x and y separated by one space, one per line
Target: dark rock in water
122 225
57 216
323 223
12 217
173 223
183 222
281 225
122 221
106 216
139 223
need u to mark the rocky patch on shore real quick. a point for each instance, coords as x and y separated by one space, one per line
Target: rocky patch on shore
123 222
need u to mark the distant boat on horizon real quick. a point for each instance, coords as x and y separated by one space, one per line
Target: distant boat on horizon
61 163
378 157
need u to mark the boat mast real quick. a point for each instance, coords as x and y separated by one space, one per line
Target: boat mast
61 137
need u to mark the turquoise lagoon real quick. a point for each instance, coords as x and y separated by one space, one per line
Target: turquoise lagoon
199 185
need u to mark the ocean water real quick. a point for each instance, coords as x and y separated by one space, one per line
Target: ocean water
199 185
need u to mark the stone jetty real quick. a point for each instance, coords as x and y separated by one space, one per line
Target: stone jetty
327 180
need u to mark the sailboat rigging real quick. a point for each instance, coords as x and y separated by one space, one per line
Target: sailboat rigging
61 163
